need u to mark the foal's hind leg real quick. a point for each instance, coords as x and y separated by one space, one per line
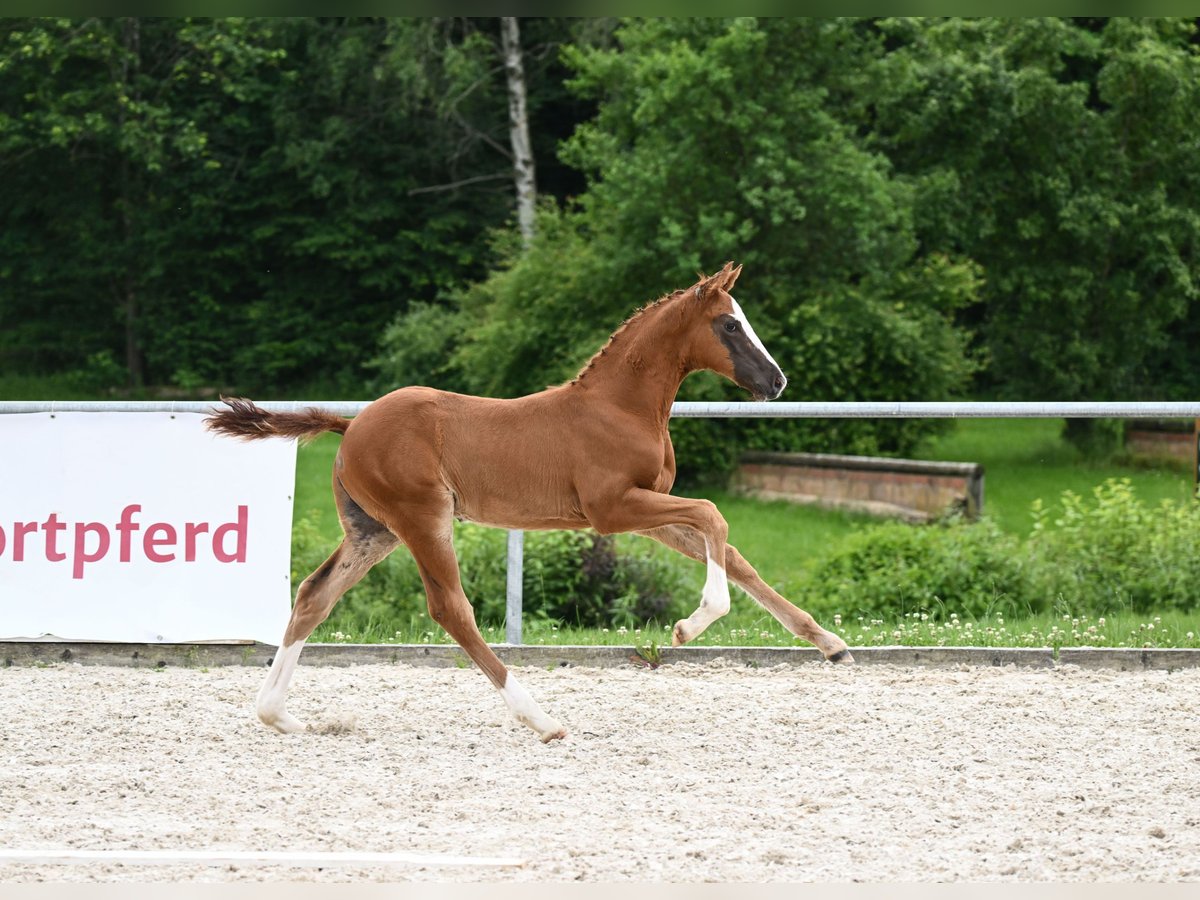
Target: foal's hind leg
689 542
366 543
431 542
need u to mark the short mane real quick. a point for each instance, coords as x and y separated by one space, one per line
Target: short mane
703 284
633 319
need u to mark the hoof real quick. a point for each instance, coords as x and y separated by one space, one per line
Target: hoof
841 658
554 736
282 722
678 637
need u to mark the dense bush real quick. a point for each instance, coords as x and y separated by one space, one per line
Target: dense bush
728 140
894 569
1116 553
1059 155
1107 554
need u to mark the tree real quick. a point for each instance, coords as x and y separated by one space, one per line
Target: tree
420 344
101 125
247 202
1059 155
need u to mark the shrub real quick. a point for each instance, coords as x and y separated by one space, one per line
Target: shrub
1108 554
1116 553
893 569
416 348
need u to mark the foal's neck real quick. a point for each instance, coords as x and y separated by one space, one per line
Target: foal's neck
643 363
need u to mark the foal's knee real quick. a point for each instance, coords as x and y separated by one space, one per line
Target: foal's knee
715 524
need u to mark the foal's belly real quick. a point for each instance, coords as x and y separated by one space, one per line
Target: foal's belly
515 501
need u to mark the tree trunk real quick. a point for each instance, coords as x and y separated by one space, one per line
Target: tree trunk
518 120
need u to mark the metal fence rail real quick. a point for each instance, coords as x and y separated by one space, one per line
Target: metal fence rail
871 409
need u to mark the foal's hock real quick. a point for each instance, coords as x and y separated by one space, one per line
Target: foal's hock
592 453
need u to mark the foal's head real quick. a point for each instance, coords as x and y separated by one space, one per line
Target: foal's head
723 340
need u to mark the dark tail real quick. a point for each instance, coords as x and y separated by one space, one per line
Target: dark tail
250 423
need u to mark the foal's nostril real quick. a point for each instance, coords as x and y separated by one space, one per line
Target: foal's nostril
779 382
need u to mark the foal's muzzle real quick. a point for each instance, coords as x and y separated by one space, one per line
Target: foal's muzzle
769 385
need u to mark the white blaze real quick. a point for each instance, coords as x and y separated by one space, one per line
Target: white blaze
749 329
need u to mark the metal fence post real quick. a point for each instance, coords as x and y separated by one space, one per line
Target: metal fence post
514 600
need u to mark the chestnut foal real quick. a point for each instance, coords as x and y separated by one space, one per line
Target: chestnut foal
593 453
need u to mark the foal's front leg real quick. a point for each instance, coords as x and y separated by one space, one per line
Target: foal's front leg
641 510
433 549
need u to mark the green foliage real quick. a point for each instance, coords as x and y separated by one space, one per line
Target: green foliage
524 325
1058 154
245 201
1112 554
102 137
1115 553
895 569
416 348
918 202
1096 439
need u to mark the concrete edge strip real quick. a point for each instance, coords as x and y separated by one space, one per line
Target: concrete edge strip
33 653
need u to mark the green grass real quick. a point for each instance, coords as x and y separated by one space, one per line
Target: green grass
1157 630
1027 459
314 480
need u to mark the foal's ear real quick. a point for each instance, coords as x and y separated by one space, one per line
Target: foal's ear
733 276
721 281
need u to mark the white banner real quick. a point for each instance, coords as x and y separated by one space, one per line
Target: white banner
142 527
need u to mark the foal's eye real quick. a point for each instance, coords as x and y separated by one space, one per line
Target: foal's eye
731 327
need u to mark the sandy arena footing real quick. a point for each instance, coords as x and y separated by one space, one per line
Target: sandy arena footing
683 773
